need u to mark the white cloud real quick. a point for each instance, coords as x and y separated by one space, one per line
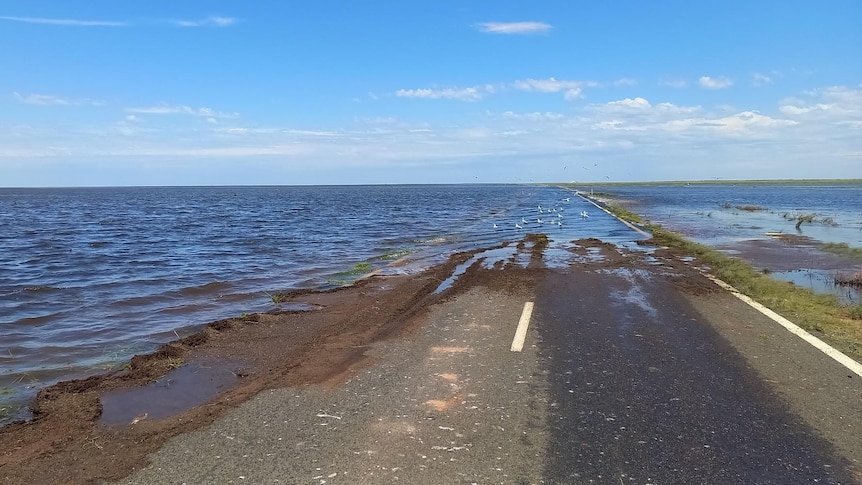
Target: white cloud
636 103
673 83
534 116
514 27
750 123
758 79
207 22
68 22
625 82
571 89
474 93
164 109
634 138
50 100
835 103
714 82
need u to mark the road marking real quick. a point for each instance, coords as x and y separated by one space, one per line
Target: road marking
629 224
820 345
521 332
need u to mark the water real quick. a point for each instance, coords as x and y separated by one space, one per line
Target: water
91 276
715 215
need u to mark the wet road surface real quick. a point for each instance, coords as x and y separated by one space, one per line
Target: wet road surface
644 391
623 378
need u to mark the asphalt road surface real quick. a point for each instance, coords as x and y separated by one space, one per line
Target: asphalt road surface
628 374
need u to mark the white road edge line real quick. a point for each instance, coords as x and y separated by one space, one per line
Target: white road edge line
822 346
523 323
631 226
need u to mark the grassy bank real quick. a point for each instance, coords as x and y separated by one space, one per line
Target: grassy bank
823 314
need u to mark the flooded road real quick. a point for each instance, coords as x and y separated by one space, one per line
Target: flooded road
635 368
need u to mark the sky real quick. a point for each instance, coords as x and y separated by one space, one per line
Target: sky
108 93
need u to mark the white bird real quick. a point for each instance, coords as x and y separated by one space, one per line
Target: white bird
584 214
566 199
523 220
495 226
539 221
518 226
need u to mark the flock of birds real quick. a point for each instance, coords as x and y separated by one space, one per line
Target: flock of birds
554 216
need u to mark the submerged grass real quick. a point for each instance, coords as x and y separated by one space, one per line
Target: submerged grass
841 324
843 249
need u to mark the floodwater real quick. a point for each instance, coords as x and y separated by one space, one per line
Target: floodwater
758 223
90 277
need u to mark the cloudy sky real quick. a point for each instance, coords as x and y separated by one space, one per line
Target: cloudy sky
343 92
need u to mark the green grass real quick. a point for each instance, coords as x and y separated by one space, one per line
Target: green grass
360 268
275 298
623 213
843 249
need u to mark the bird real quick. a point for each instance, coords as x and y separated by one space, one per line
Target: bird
518 226
523 220
584 214
567 199
495 226
539 221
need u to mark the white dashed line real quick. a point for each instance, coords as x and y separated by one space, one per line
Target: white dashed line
521 332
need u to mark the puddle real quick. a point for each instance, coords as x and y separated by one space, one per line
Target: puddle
819 282
632 297
488 259
191 385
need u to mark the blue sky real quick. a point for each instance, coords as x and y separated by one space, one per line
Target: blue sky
326 92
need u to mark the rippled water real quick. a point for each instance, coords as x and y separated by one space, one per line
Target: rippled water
91 276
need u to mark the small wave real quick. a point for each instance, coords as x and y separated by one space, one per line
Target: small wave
38 320
434 241
209 288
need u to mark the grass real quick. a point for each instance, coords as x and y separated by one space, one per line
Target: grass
275 298
843 249
174 363
360 268
842 324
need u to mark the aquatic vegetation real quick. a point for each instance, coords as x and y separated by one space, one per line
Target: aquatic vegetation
853 280
749 208
843 249
275 298
360 268
395 254
804 218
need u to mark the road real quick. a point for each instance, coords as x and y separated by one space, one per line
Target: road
632 371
